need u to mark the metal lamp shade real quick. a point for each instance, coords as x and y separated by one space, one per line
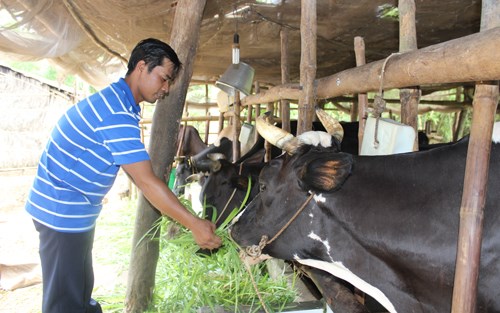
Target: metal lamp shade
237 76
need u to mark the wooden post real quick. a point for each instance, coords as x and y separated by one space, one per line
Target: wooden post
285 78
184 40
236 126
359 51
181 142
476 177
408 42
249 114
207 113
256 87
268 146
459 125
308 34
221 122
207 128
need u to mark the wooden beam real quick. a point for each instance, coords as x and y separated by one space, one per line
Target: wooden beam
431 65
435 64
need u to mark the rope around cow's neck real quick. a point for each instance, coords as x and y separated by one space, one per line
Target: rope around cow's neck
256 250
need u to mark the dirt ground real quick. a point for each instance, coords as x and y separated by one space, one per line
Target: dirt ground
19 242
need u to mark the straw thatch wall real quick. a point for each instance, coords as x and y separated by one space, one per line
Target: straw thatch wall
30 108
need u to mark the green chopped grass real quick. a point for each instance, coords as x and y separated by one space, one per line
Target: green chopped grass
187 281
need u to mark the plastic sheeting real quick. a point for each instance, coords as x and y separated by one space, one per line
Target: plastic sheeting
94 38
81 37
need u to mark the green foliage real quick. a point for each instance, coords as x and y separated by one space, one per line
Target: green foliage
187 281
388 12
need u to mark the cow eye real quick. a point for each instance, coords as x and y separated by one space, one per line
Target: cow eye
262 187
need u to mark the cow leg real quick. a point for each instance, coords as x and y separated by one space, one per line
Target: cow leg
335 292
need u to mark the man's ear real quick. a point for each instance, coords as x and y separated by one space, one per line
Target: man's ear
141 66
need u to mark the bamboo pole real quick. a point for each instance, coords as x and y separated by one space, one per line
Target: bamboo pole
431 65
308 34
475 182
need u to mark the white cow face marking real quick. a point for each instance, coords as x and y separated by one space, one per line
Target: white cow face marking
319 198
316 138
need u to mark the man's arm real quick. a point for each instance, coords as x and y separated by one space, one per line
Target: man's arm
162 198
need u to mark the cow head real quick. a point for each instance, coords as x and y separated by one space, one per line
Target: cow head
226 189
313 165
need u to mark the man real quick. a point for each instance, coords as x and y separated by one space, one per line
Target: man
86 149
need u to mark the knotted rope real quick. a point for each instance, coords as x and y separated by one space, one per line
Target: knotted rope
256 250
378 101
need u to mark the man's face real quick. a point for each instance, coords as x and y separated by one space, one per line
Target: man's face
155 85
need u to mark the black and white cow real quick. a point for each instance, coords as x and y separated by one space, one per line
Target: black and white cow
386 224
226 188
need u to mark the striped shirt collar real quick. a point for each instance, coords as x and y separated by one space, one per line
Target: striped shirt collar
135 108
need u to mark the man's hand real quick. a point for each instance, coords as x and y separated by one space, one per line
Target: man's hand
162 198
204 235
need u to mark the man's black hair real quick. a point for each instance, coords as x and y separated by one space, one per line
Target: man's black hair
153 51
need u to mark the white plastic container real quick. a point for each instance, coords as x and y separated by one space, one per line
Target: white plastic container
246 133
393 137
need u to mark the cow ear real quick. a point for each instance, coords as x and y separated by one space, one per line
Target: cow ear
325 172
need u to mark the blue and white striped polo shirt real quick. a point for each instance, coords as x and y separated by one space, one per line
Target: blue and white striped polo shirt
82 158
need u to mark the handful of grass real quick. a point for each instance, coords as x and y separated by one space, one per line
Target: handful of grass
187 280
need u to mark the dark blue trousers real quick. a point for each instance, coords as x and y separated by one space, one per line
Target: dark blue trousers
67 272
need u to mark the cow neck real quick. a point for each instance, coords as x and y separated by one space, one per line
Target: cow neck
256 250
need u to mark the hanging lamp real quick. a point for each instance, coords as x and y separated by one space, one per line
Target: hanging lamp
239 75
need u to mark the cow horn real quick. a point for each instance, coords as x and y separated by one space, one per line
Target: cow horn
194 177
276 136
332 126
207 165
